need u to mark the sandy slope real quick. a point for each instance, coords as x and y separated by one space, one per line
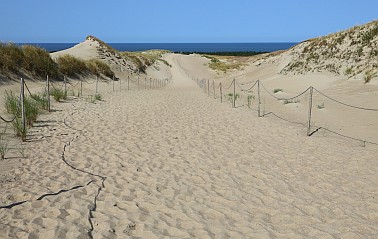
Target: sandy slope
174 163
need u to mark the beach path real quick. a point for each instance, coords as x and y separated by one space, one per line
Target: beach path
175 163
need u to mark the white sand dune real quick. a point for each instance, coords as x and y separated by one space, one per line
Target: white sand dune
175 163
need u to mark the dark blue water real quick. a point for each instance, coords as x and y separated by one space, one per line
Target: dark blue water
180 47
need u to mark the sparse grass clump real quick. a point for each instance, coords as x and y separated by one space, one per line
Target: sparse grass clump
349 71
290 101
41 100
32 105
369 75
58 94
98 97
94 98
224 65
250 99
19 130
3 144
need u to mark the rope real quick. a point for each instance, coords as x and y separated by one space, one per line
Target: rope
345 136
352 106
248 83
271 113
284 98
229 86
74 85
27 88
15 115
94 81
61 87
251 86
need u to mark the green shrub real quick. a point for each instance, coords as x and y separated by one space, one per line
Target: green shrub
277 90
70 65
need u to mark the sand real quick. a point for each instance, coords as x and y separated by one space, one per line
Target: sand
172 162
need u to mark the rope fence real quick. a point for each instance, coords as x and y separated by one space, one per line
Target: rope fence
258 98
77 88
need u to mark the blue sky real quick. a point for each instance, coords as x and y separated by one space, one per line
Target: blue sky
179 20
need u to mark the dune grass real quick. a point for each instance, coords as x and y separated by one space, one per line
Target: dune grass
223 65
35 60
146 58
3 144
58 94
98 67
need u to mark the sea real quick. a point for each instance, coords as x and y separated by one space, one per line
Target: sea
180 47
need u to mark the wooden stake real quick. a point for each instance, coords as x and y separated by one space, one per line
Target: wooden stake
81 86
214 89
221 94
234 94
96 84
23 116
48 93
309 112
258 98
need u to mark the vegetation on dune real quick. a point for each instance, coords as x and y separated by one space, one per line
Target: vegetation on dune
221 53
224 64
98 67
103 44
37 62
71 66
29 58
350 52
146 58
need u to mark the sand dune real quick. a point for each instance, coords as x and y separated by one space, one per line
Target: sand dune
175 163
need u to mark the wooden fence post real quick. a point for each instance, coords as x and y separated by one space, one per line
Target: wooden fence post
234 105
65 85
81 86
258 98
96 84
309 112
113 82
220 89
23 116
128 82
214 89
48 93
208 87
